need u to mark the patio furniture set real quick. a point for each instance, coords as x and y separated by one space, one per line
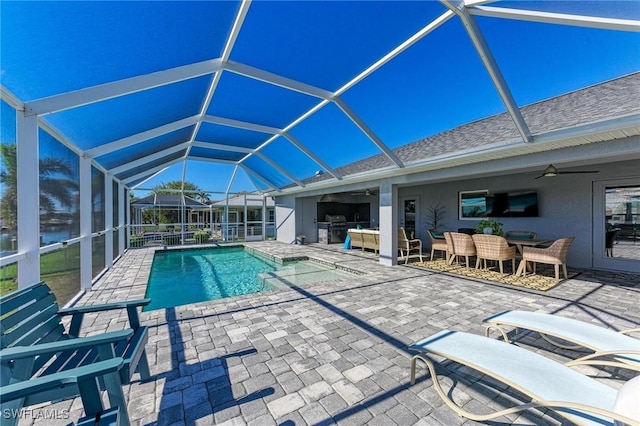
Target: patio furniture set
484 247
370 239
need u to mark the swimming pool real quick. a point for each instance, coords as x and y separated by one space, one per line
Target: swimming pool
180 277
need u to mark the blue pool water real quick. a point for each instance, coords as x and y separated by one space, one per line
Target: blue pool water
180 277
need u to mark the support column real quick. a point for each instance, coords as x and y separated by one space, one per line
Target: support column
85 224
129 213
388 223
264 218
28 186
121 204
246 225
108 221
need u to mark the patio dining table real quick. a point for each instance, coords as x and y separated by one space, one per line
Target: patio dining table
529 242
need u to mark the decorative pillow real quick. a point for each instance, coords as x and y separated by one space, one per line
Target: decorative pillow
437 234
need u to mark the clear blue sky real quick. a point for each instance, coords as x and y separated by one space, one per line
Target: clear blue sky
438 84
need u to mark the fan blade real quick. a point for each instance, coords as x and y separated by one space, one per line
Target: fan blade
576 172
542 175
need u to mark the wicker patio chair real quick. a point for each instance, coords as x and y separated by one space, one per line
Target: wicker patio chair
555 254
494 247
437 243
459 245
406 246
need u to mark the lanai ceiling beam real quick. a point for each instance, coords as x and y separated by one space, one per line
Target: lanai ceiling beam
250 172
280 169
276 80
147 159
222 147
229 122
398 50
368 131
491 65
312 156
226 53
141 137
152 170
233 176
142 182
253 180
212 160
557 18
118 88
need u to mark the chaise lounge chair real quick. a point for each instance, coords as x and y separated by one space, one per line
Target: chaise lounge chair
609 347
579 398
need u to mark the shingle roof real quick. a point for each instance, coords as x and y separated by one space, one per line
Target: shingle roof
614 98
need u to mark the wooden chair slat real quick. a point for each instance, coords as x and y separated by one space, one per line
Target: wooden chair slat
31 331
15 300
26 311
71 359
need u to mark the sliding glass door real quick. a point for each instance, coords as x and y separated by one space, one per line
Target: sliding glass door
616 227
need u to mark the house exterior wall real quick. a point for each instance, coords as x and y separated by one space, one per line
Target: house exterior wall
565 204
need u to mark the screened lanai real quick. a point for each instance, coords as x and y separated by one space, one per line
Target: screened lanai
104 101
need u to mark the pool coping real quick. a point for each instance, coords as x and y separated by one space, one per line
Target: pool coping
265 254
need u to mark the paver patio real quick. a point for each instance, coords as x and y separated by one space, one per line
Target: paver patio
336 352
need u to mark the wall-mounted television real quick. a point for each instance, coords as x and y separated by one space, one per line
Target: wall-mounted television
512 204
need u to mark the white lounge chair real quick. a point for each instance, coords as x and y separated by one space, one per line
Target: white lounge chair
579 398
609 347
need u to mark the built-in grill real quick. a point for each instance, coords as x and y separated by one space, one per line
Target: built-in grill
336 228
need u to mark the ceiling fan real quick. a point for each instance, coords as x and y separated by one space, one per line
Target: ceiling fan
366 192
551 171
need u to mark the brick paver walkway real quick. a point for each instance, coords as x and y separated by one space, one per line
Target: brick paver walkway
334 353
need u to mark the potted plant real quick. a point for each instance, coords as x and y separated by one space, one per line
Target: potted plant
489 226
435 217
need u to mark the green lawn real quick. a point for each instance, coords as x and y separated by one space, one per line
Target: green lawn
60 269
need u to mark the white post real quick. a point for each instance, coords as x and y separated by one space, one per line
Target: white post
127 206
85 224
182 211
28 186
121 216
108 221
264 218
226 219
388 223
246 225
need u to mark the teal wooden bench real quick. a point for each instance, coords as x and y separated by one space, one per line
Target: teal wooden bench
34 342
83 377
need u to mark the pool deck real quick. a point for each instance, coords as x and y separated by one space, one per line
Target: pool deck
334 352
